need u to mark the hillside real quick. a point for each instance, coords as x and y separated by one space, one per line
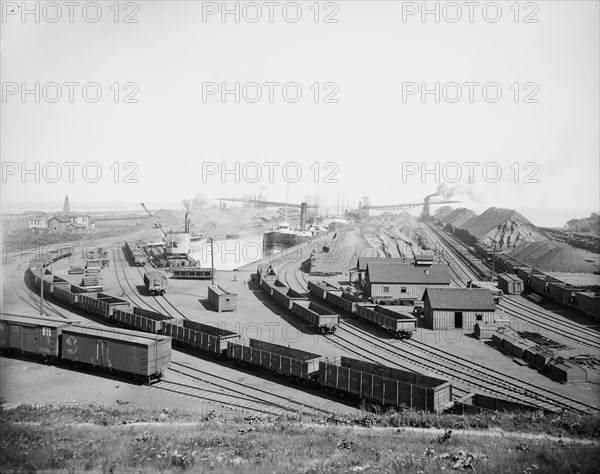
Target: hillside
387 235
505 227
455 217
552 256
587 225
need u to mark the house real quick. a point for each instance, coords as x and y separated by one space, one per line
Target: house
58 223
403 281
361 267
458 308
73 227
38 221
14 223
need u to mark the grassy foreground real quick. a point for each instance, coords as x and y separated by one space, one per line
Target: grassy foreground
98 439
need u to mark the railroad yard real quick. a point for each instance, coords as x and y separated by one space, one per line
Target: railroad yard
479 373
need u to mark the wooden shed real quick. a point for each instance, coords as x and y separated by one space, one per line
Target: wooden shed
221 299
458 308
510 284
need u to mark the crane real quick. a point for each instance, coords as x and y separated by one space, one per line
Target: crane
261 203
364 209
155 221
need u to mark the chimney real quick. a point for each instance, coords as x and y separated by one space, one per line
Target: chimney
66 207
303 207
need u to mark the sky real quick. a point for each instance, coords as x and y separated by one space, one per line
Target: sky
161 131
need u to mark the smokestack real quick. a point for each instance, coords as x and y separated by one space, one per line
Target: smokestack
303 208
426 205
66 206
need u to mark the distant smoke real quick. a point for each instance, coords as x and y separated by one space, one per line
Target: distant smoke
448 192
199 201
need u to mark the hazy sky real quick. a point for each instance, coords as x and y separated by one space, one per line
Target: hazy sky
373 133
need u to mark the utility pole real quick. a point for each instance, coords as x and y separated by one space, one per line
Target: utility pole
212 261
42 291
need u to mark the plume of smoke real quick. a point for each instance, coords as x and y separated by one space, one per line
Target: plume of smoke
448 192
199 201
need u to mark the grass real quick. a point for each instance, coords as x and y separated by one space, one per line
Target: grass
98 439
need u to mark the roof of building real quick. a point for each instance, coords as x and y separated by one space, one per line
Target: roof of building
364 261
77 226
63 219
460 299
381 272
508 277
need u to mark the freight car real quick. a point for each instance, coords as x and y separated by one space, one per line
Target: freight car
488 285
293 363
135 254
588 302
156 282
286 296
192 273
346 301
141 319
30 334
139 355
384 385
315 315
320 288
397 322
199 336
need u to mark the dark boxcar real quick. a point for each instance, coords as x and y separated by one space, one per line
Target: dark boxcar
538 357
200 336
346 301
319 288
286 296
145 356
385 385
566 371
267 286
316 315
283 360
512 265
31 334
398 322
539 282
141 319
523 273
589 303
156 282
484 251
510 284
562 293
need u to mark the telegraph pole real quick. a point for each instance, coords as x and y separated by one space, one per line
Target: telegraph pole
42 291
212 261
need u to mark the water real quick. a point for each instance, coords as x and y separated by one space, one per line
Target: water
229 254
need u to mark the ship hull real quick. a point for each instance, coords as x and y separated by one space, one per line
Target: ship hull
283 240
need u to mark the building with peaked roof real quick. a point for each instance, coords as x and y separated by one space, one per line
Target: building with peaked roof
458 308
403 281
58 223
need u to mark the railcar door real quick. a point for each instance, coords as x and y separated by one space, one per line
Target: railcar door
102 355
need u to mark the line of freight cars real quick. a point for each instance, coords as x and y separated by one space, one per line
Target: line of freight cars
345 377
135 354
576 297
315 315
135 254
395 320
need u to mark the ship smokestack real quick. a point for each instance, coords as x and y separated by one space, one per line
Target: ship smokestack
303 208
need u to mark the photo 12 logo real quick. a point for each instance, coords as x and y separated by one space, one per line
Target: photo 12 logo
470 12
70 12
469 171
253 172
270 12
71 92
271 92
469 92
69 172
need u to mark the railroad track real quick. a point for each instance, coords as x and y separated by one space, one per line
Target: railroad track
521 311
117 257
163 298
460 370
29 299
248 392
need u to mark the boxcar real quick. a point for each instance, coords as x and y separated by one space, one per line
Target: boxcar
563 293
400 323
566 371
538 357
156 282
200 336
101 304
141 355
524 272
484 251
141 319
320 288
345 300
315 315
589 303
32 334
385 385
293 363
539 282
286 296
511 265
510 284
